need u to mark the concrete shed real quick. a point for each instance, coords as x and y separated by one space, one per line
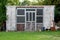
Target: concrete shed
29 18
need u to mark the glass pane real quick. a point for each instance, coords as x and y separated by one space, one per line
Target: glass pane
39 19
27 16
39 11
20 12
20 19
30 9
33 16
30 16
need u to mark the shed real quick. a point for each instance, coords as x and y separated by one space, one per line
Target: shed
29 18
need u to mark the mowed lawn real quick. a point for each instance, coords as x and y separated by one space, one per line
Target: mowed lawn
45 35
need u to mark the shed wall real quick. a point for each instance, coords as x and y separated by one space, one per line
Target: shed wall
11 18
48 16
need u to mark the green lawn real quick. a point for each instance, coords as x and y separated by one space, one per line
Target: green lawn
30 35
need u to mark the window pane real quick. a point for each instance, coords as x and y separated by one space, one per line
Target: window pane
30 9
39 19
27 16
20 19
20 12
33 16
39 11
30 17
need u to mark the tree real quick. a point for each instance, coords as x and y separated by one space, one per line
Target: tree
51 2
57 13
3 3
57 8
25 2
2 11
40 2
13 2
37 2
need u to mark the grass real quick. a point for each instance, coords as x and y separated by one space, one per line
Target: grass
46 35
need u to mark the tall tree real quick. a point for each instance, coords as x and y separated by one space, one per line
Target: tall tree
2 11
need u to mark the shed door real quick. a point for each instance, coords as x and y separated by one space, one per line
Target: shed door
30 21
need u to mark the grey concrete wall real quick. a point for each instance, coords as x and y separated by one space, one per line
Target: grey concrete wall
48 16
11 18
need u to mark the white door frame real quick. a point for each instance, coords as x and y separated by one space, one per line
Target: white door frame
29 18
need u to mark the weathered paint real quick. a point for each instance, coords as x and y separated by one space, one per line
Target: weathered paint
48 16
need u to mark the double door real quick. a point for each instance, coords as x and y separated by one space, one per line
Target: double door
30 21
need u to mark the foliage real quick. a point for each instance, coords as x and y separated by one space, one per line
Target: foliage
57 8
40 2
57 13
3 3
51 2
2 11
13 2
58 24
26 2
